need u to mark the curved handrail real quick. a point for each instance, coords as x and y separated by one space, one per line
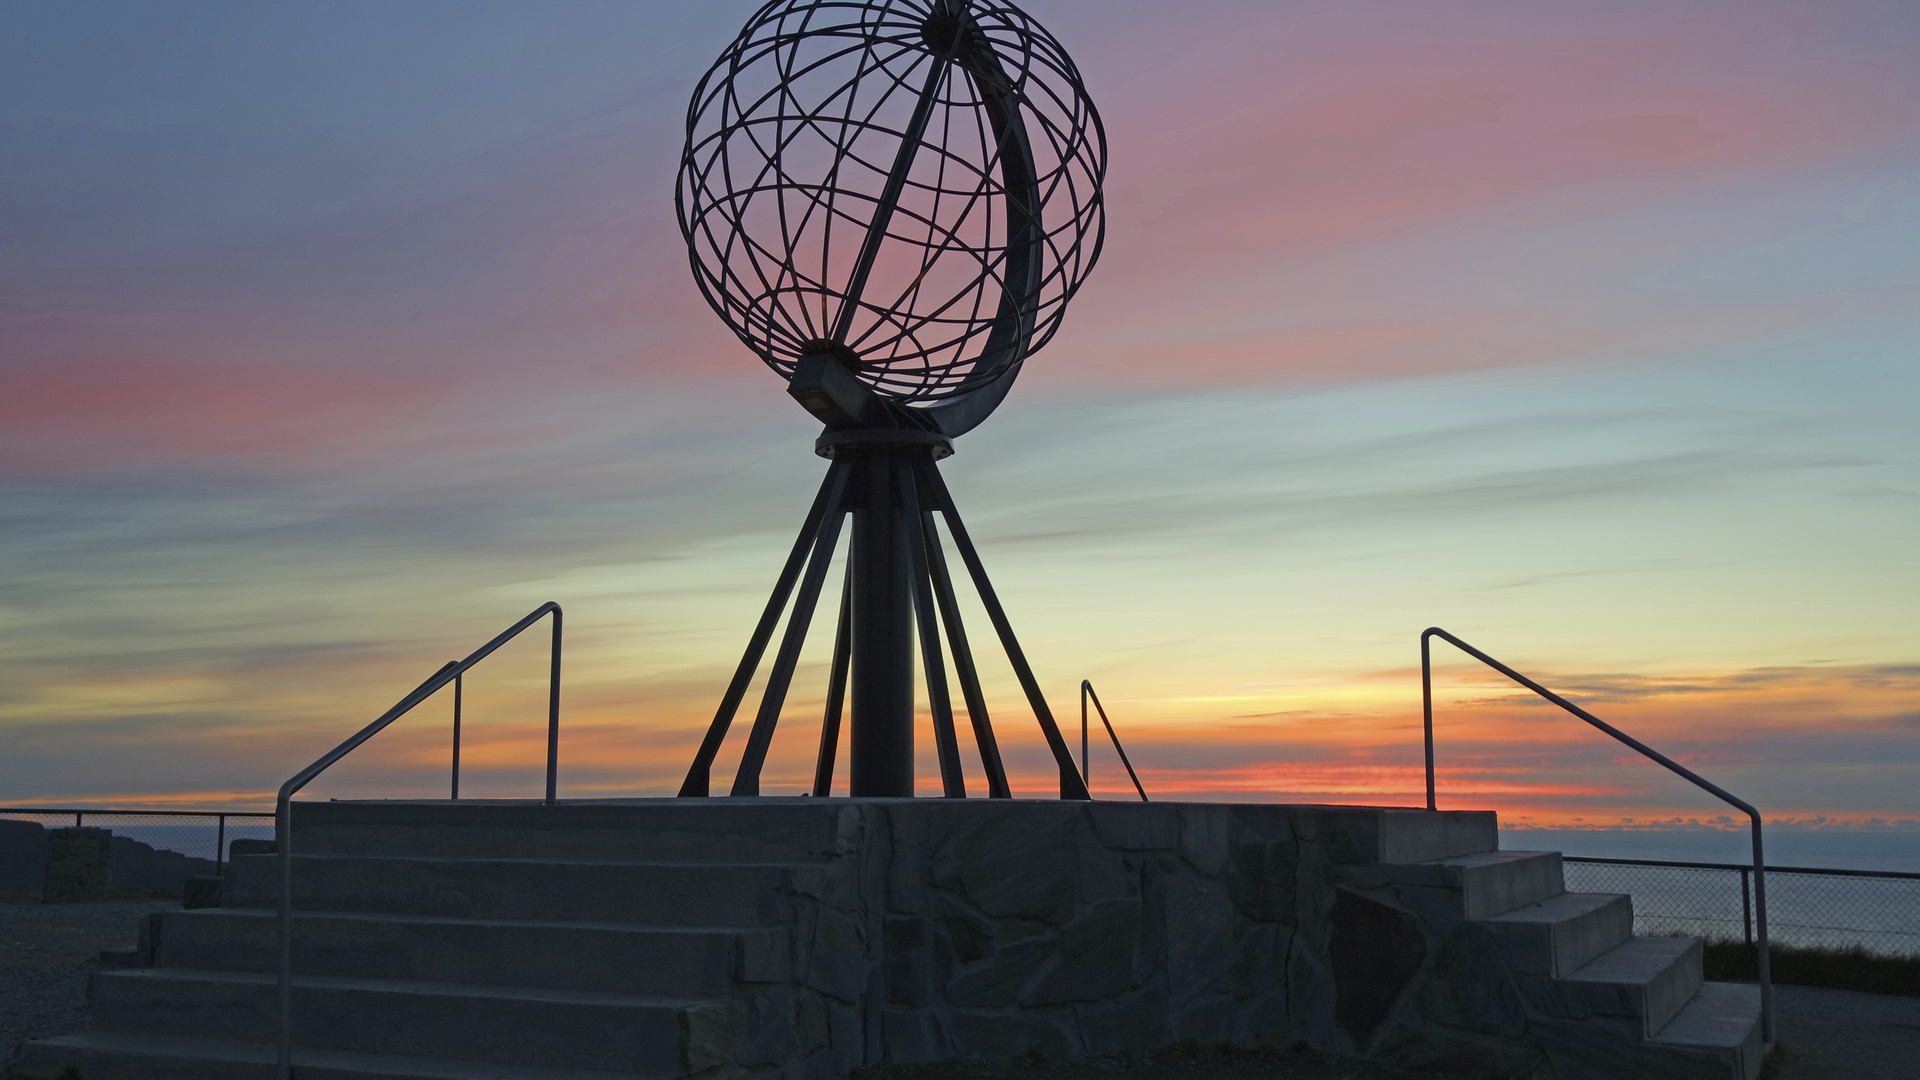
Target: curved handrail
1759 863
1086 770
282 824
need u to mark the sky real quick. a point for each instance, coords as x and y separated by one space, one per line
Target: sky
336 337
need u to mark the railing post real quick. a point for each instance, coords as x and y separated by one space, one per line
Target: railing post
1767 1033
1746 906
220 848
553 713
77 815
283 855
1426 705
1086 770
459 682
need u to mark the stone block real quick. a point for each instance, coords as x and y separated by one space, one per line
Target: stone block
201 891
78 865
1001 981
1470 987
968 940
836 957
1125 1023
912 970
244 846
762 956
1009 862
912 1036
1198 934
1259 962
709 1037
988 1034
1263 880
1205 832
1104 872
1133 827
23 860
1375 953
1099 957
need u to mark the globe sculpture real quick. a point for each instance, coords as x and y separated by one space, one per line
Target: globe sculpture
890 203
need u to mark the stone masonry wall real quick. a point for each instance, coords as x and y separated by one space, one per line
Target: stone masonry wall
977 929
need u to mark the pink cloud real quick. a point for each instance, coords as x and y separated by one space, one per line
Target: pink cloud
105 413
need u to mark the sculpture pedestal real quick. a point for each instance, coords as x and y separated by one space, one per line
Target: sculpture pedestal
805 937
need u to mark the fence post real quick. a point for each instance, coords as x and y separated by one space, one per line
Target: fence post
1746 904
77 815
220 848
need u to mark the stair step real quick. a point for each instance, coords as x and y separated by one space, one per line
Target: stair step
1650 978
671 830
1365 835
1560 934
104 1056
571 1029
1723 1018
1495 882
609 957
577 890
1483 884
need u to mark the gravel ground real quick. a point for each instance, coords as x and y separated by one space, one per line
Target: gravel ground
1846 1035
1300 1065
47 952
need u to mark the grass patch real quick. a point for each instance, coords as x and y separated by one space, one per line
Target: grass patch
1842 969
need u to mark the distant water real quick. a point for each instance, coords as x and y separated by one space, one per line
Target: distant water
1844 849
1879 914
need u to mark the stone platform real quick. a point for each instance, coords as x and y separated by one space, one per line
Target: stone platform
805 937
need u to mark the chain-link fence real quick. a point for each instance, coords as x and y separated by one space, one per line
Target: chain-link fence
1875 910
196 834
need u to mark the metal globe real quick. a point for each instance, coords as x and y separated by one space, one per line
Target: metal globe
911 187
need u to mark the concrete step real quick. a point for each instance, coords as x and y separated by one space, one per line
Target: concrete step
1559 935
777 830
1647 978
569 1029
582 890
1480 885
1495 882
1723 1019
1372 834
103 1056
615 958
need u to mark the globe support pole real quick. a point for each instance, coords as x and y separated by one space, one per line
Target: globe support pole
880 747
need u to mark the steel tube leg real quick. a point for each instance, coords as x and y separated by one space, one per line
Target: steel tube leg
836 691
881 745
963 668
747 780
1071 786
933 662
695 785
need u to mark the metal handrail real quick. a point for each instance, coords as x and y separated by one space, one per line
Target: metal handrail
1903 875
283 824
1759 862
219 839
1086 769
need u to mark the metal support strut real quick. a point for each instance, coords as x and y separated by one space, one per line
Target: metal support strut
896 590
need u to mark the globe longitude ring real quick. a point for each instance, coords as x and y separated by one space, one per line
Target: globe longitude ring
892 202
